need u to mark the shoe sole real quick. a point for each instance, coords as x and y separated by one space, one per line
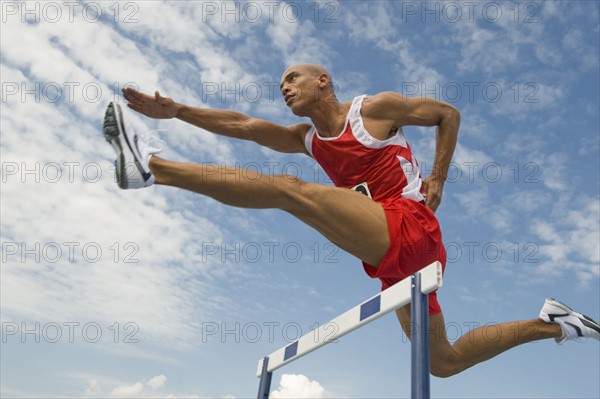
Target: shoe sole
112 131
116 135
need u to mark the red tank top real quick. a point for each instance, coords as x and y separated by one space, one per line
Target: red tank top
383 170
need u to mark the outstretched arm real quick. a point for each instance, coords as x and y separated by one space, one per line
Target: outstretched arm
233 124
395 110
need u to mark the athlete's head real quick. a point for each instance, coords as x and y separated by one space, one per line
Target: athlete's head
304 85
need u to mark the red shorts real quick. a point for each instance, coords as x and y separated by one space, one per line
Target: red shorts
415 242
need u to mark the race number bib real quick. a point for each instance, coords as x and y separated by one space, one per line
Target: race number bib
363 188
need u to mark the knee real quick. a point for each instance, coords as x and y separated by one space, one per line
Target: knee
299 194
292 186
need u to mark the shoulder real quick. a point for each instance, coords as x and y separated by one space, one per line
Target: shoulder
300 128
380 104
384 98
300 131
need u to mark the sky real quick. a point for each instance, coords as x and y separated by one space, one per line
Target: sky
162 293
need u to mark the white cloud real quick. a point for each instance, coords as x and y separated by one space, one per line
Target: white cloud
297 386
493 45
123 389
519 101
157 382
297 42
529 201
465 156
371 22
568 239
481 49
130 391
351 84
376 24
164 280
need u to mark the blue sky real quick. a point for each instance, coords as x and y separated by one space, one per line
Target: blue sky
161 293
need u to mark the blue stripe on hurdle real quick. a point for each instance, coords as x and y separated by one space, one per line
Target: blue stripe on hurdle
370 307
290 351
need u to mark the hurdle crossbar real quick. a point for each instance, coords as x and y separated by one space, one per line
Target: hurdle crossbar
400 294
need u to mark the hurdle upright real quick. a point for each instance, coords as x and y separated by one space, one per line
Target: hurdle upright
413 290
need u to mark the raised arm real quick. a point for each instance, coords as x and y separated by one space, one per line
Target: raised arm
289 139
392 110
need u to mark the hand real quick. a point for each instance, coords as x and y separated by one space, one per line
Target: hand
156 107
432 191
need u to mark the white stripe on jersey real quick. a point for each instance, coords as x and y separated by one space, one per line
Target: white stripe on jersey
361 133
308 139
414 182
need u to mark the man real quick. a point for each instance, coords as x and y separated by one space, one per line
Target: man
380 210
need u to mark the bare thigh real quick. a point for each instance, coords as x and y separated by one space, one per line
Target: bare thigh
349 219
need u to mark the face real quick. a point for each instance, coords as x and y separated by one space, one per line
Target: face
299 88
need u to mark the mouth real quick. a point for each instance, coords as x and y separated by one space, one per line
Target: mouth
288 99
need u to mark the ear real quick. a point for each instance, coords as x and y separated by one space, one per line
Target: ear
323 80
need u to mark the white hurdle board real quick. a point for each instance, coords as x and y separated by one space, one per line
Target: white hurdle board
373 308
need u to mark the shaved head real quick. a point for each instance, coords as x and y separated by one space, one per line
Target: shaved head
311 70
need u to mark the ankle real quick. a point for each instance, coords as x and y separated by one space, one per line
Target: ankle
550 328
158 166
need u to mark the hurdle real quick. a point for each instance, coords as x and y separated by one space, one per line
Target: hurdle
413 290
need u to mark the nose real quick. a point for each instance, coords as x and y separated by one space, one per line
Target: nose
285 89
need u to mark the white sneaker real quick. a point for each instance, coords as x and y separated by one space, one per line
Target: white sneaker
133 152
573 324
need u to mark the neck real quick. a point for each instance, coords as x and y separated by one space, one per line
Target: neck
329 116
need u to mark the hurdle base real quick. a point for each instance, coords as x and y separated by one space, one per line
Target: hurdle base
264 387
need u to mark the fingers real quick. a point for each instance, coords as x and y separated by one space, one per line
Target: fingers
130 93
135 104
135 99
152 106
432 193
133 95
433 200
